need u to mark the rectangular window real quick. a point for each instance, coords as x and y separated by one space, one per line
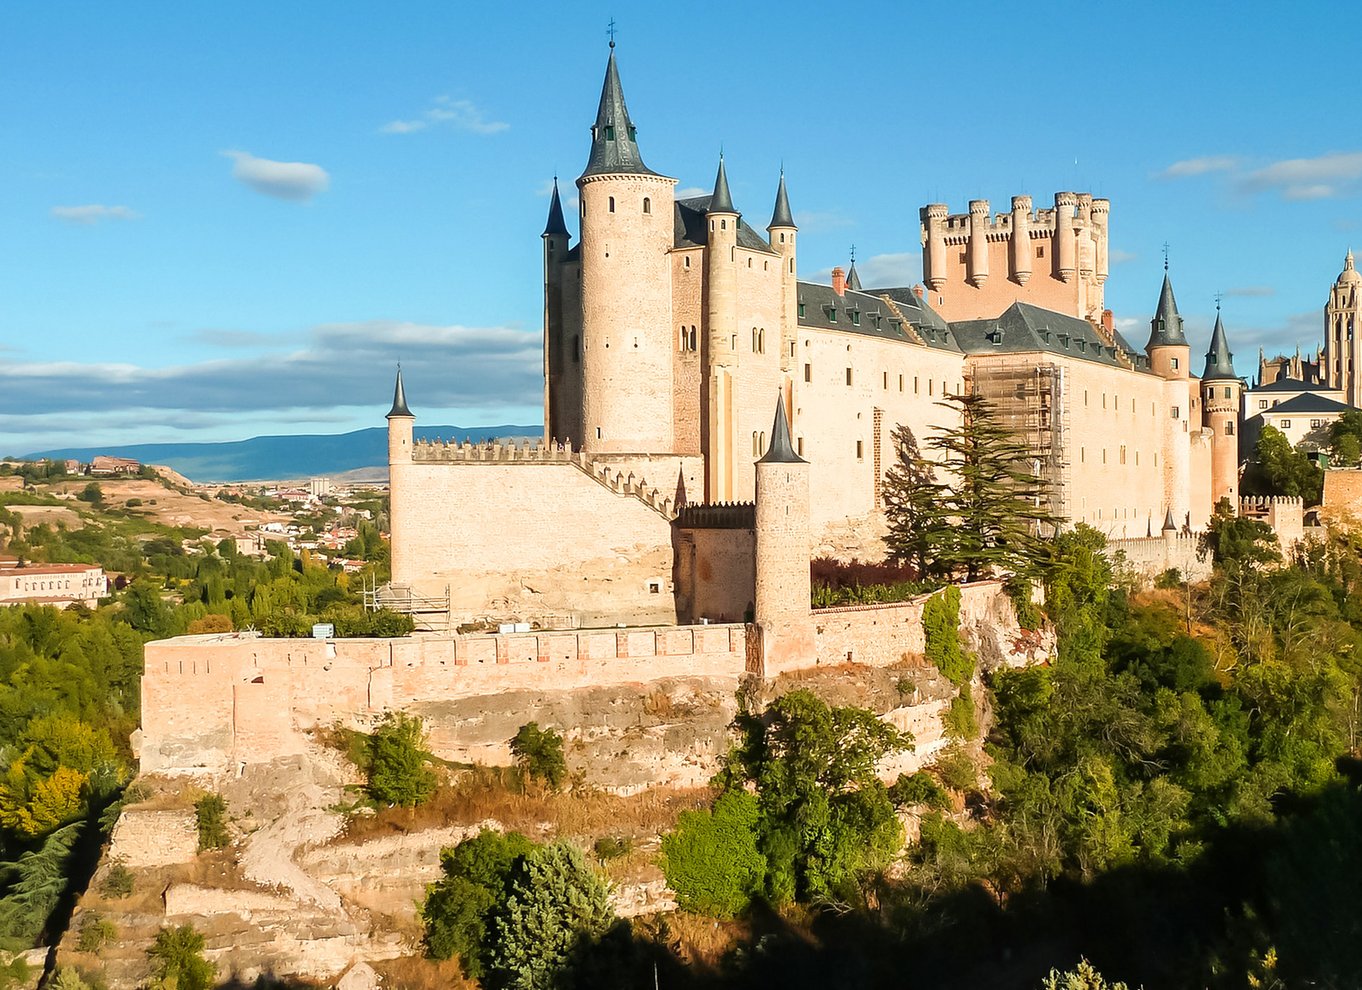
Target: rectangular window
886 381
1315 424
1227 391
801 311
1286 424
900 383
1262 403
848 376
808 372
860 450
1175 364
1229 429
799 446
1177 413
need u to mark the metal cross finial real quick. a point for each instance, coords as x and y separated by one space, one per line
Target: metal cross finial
1165 256
1218 297
853 254
610 30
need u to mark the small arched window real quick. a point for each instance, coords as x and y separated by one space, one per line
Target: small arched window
612 204
647 204
692 338
723 224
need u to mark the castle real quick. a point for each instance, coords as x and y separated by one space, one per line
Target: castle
670 328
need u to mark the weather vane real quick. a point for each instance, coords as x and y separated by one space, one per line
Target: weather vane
1165 256
610 30
853 254
1218 297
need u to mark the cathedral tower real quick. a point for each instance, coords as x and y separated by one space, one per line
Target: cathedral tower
1343 334
721 337
626 234
1222 394
400 424
781 606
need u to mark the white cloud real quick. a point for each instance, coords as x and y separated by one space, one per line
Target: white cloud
88 216
1118 257
889 270
820 220
295 181
1189 167
463 115
1333 174
690 192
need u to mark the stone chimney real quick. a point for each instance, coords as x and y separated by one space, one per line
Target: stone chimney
918 290
1109 324
839 281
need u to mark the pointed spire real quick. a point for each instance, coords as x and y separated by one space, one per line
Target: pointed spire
722 200
399 399
781 216
853 279
1219 360
781 450
1165 329
1168 523
614 140
556 224
1348 265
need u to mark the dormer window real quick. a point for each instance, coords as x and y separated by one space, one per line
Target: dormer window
801 311
855 317
610 132
832 313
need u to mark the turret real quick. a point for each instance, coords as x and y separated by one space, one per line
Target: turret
626 234
977 272
1020 250
1167 348
1222 393
782 232
1342 361
400 494
934 264
1066 247
560 421
781 605
1101 215
721 333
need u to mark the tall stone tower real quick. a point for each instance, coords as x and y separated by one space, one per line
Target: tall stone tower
782 233
721 338
562 381
1169 356
626 293
1343 334
781 606
400 424
1222 394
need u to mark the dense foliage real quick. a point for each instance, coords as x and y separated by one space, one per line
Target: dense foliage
1277 468
177 961
539 755
397 762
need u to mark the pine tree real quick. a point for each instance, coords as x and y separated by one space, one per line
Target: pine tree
912 504
995 501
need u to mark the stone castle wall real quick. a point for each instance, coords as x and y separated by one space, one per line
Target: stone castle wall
1148 557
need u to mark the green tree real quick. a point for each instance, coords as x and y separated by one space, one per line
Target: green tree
210 813
92 493
1277 468
178 962
458 905
1235 540
912 505
398 774
712 860
995 501
539 754
555 909
1345 439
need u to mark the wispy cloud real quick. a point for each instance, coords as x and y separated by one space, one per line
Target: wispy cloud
294 181
93 213
233 339
1204 165
690 192
880 270
463 115
1320 177
816 221
1119 257
1251 291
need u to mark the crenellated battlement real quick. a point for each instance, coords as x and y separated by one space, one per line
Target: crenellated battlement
1258 504
718 515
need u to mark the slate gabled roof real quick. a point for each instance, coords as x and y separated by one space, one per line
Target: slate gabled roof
1287 385
1023 327
1309 402
865 313
691 229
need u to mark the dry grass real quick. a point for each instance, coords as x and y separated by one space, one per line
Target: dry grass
491 793
419 973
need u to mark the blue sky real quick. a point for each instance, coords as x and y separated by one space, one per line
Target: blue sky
227 220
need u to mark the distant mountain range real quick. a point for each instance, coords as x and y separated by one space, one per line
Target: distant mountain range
275 458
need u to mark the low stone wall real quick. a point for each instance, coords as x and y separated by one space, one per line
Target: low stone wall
1148 557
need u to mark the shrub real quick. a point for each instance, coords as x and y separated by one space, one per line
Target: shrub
959 719
457 906
95 933
118 882
132 503
1171 578
919 788
210 813
539 754
1018 590
609 847
177 960
211 623
941 626
712 860
397 762
92 493
956 769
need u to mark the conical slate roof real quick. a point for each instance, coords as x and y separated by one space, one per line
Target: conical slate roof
781 450
1165 329
1168 521
399 398
853 279
614 140
781 216
1219 360
556 224
722 200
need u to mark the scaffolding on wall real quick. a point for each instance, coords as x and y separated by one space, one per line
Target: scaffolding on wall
1032 401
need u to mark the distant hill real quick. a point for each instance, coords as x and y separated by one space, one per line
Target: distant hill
270 458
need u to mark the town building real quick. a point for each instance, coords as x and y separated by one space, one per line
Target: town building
59 585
